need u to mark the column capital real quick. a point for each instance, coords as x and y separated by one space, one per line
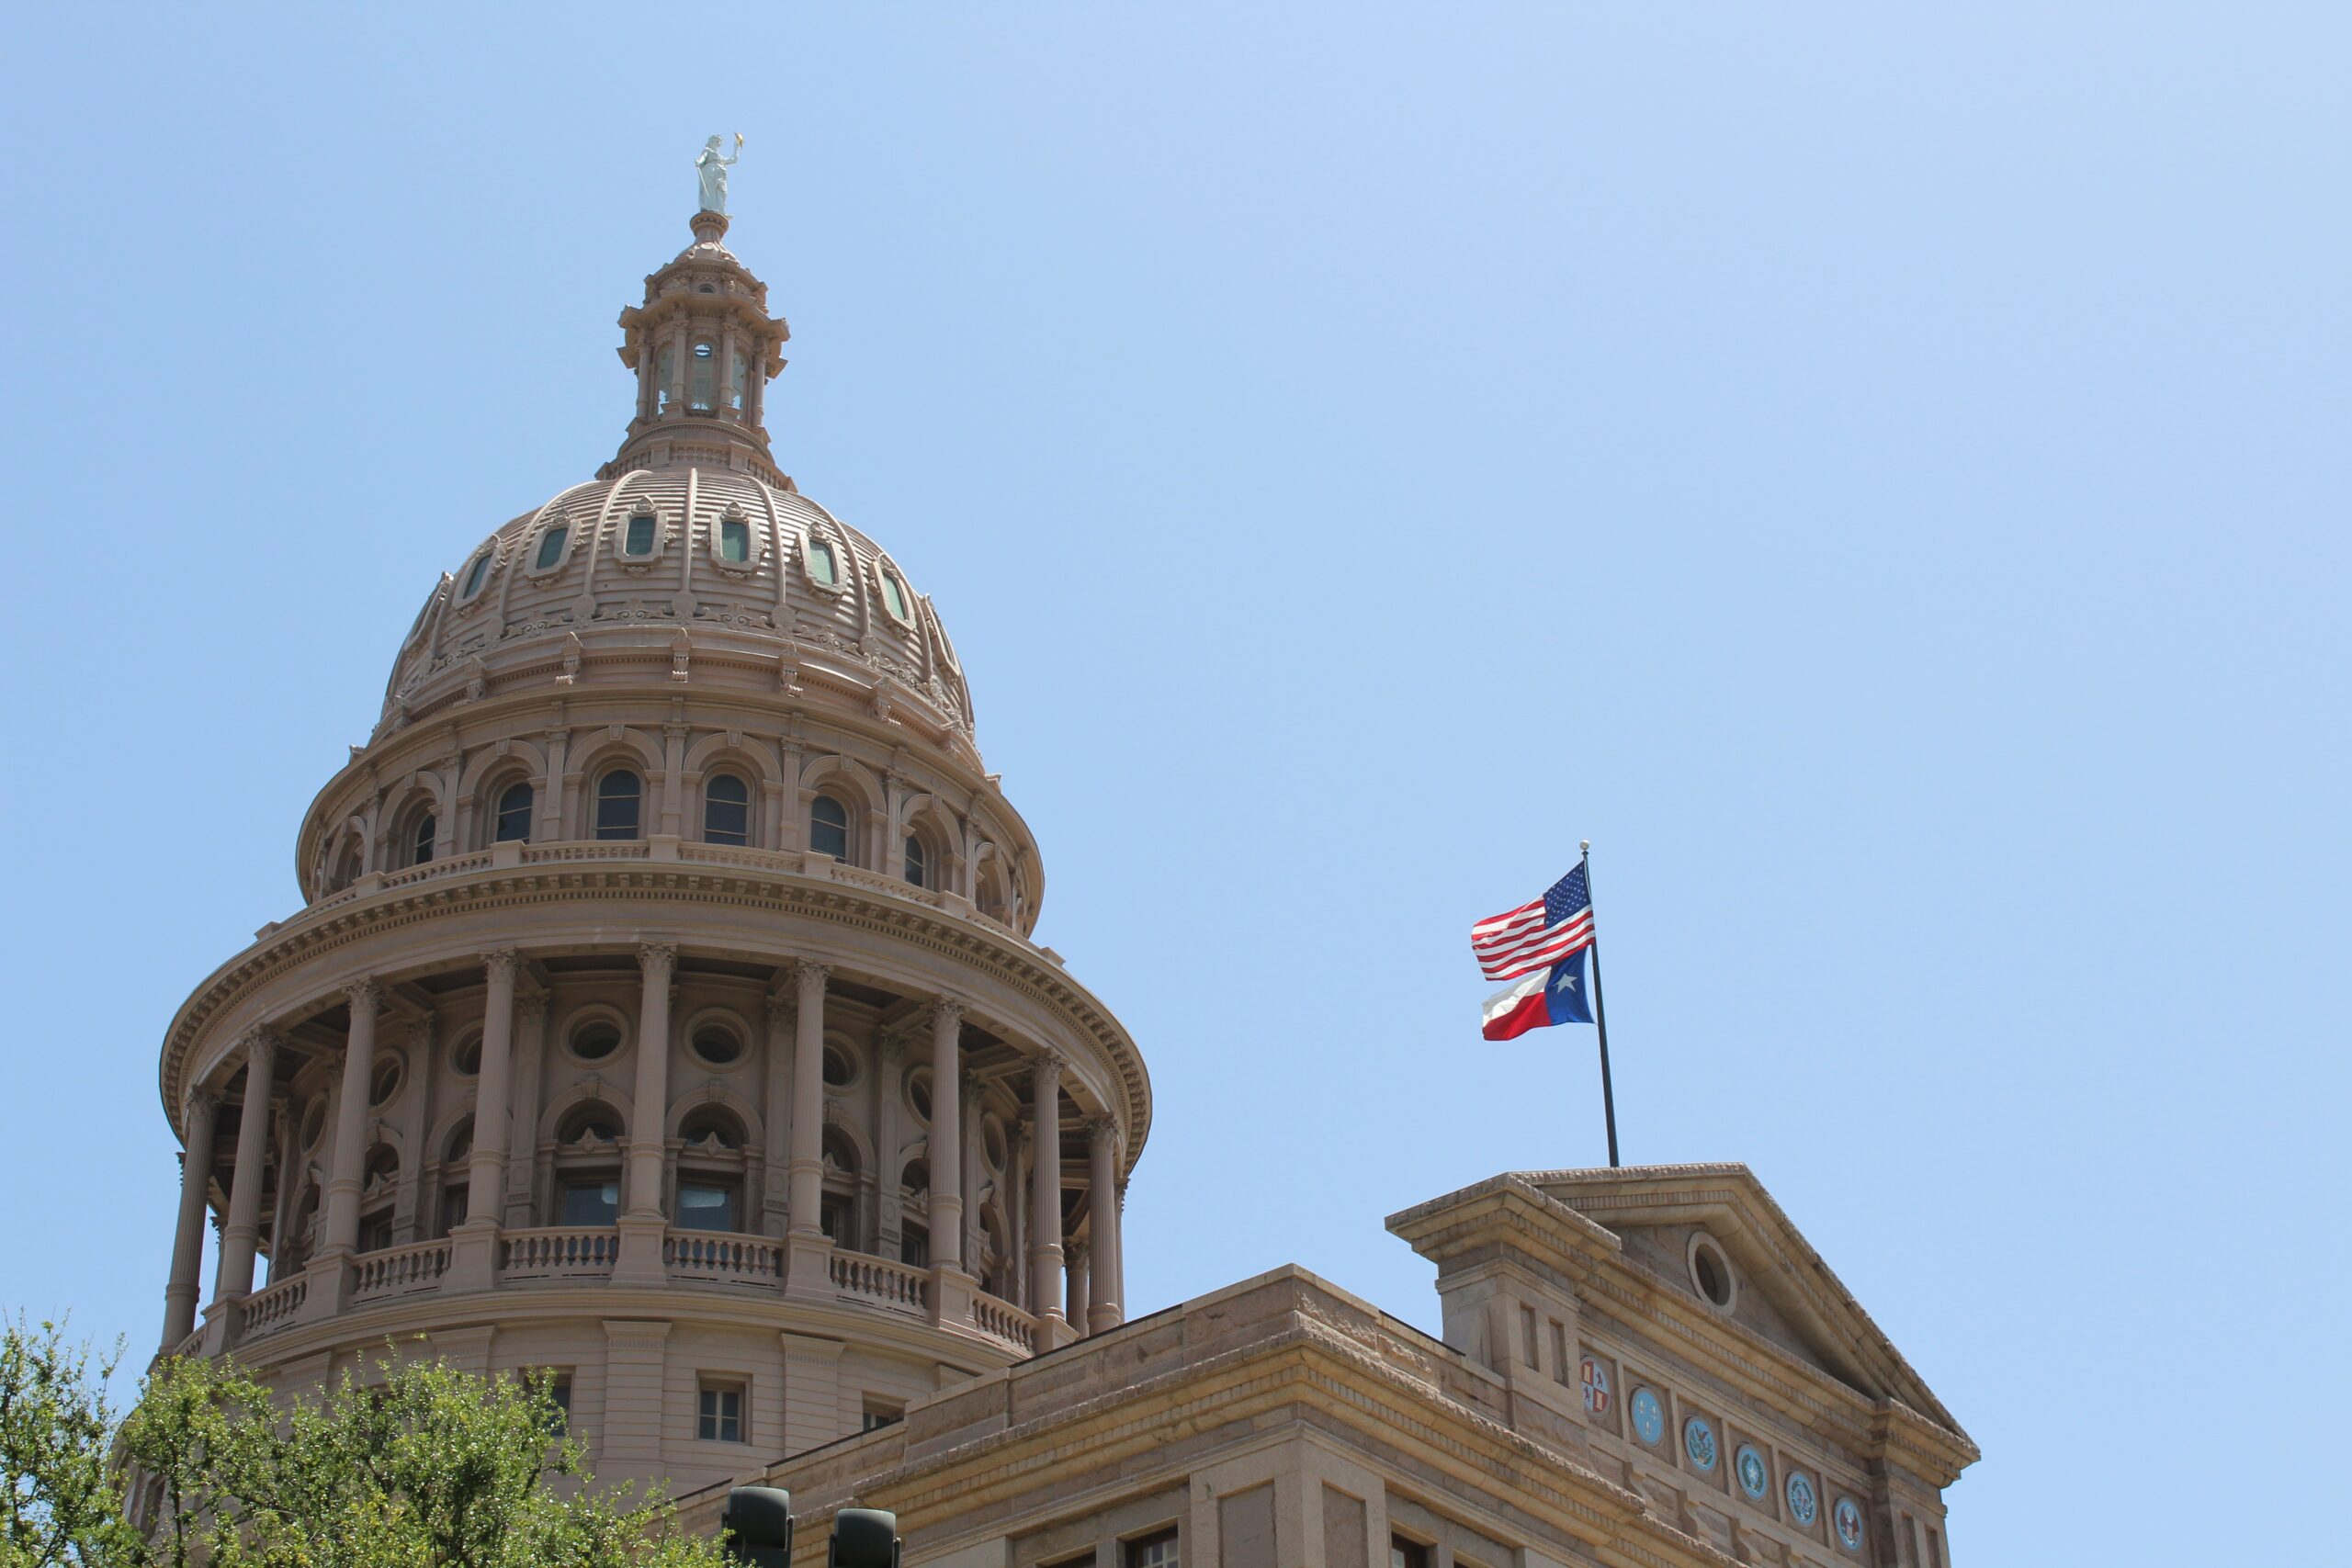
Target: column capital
200 1099
1076 1253
1101 1129
1045 1067
946 1013
783 1008
812 976
531 1007
261 1049
658 958
366 995
501 962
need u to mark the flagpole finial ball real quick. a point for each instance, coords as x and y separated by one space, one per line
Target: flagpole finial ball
1584 844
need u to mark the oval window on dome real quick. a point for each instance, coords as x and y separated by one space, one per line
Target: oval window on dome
474 575
825 568
734 539
638 540
551 547
894 598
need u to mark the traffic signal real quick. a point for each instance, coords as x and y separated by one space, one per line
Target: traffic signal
865 1538
756 1528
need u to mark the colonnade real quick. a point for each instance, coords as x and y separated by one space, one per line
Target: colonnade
1071 1284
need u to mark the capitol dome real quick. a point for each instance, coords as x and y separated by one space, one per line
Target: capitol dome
663 1007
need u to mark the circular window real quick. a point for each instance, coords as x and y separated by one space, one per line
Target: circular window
839 1071
1847 1518
1595 1378
1710 1272
1754 1478
717 1047
466 1060
1804 1504
594 1040
385 1084
314 1123
992 1143
918 1093
1650 1415
1699 1442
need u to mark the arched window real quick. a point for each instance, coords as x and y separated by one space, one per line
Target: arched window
734 539
821 564
552 546
726 809
514 820
829 827
918 863
704 367
741 376
420 839
592 1123
666 379
474 574
894 598
638 538
619 795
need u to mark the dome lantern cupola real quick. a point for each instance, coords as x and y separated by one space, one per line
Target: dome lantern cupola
704 347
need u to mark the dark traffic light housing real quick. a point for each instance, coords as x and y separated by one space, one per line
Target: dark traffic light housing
756 1528
865 1538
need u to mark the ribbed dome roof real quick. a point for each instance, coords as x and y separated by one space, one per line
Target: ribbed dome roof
614 571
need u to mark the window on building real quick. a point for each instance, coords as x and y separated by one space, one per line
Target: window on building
420 845
880 1413
619 795
717 1047
720 1415
474 574
560 1394
914 1246
829 827
375 1231
666 378
513 820
822 563
1153 1551
734 539
698 395
894 597
552 546
1527 1347
741 374
1404 1553
1559 1351
597 1201
726 810
918 864
384 1085
638 538
592 1043
832 1216
453 1207
706 1206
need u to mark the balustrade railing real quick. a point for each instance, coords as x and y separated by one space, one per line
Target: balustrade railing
723 1256
879 1280
398 1270
585 1254
1003 1320
273 1308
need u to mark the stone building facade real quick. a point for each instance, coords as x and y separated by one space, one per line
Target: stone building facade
663 1011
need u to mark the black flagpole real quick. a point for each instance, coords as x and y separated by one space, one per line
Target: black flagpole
1600 1013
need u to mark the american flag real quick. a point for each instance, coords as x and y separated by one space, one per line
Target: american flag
1533 936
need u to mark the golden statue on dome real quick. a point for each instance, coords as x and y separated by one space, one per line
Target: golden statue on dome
710 168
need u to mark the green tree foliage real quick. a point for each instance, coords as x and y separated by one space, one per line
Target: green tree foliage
425 1466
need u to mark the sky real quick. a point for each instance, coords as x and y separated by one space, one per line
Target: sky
1878 473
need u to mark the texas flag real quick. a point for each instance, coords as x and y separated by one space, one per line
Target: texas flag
1548 996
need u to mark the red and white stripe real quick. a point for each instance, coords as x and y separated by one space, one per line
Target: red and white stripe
1518 942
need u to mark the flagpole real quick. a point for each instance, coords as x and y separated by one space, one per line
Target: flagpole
1600 1013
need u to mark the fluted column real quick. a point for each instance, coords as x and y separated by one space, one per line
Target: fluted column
775 1204
181 1291
946 1130
486 1166
1103 1307
242 1236
1045 1189
1075 1271
347 1158
807 1164
647 1123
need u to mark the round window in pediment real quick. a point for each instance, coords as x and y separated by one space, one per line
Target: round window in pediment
1711 1272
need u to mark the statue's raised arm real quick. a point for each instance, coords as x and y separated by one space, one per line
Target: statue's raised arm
710 168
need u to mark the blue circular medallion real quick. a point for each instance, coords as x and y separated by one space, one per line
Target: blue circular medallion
1804 1504
1847 1516
1754 1478
1699 1442
1650 1415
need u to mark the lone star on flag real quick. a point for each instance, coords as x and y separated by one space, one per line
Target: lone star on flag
1566 982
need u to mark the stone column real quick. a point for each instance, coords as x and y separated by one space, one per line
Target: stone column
946 1130
774 1206
1103 1307
346 1159
486 1166
1080 1257
184 1288
1045 1183
523 1119
642 1223
242 1238
809 1270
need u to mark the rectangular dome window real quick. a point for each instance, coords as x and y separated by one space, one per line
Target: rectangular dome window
734 539
552 546
639 541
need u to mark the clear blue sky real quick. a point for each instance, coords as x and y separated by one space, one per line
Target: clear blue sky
1881 476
